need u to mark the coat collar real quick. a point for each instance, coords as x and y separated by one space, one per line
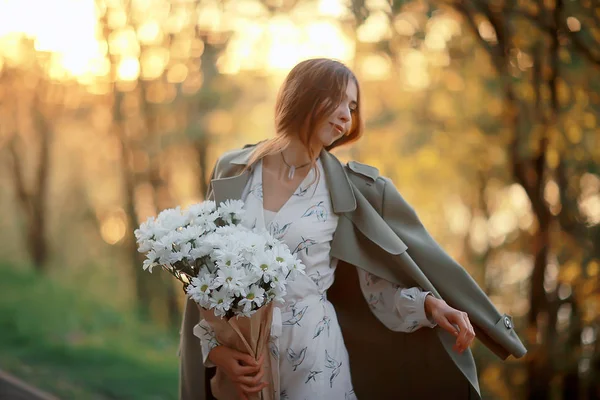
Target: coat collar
231 182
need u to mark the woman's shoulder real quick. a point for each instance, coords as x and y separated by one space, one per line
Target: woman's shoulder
239 156
367 172
364 170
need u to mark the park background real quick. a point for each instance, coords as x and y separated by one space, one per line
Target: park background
485 113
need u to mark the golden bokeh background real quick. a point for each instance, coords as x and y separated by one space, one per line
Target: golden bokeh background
483 113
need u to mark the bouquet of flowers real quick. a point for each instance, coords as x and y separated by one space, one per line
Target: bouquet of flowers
233 273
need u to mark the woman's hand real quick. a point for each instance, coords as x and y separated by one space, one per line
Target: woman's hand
240 368
449 319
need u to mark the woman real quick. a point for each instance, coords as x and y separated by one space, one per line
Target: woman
293 187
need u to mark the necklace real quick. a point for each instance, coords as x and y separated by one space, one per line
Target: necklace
292 167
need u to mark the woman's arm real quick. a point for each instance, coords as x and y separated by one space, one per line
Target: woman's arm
208 341
406 309
400 309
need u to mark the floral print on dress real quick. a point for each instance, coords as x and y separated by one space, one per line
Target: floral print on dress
305 244
296 317
296 359
257 190
278 232
318 210
312 375
334 365
321 326
301 191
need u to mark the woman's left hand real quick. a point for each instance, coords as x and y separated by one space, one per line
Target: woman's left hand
454 321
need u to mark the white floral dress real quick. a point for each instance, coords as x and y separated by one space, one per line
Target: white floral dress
306 339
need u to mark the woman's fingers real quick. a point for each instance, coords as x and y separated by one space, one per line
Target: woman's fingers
241 370
245 358
466 335
470 331
252 380
457 319
446 325
253 389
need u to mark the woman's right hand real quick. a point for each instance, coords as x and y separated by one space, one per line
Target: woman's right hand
240 368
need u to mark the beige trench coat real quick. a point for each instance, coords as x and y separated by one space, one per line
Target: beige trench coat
379 232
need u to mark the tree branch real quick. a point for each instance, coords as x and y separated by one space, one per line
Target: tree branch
18 180
493 51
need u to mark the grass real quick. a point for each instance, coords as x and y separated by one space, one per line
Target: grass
56 339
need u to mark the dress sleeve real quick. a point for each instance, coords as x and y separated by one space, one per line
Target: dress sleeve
400 309
208 340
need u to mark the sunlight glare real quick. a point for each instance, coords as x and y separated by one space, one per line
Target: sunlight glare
52 25
375 29
129 69
332 8
415 72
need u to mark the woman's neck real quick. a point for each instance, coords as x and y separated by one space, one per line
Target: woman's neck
296 154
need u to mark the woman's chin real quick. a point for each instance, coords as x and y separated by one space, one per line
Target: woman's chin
328 141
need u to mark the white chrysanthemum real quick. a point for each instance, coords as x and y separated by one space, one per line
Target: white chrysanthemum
171 218
232 279
212 240
164 247
237 262
199 290
253 243
191 234
226 258
228 252
284 258
181 252
147 234
206 221
296 268
200 209
270 240
232 211
199 252
265 261
276 294
151 261
221 301
278 281
168 240
254 296
226 230
253 274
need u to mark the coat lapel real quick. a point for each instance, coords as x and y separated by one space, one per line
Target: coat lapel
355 223
230 182
230 188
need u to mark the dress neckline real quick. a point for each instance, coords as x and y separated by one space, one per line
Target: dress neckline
275 214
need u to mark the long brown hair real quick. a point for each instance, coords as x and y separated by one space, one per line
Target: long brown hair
312 90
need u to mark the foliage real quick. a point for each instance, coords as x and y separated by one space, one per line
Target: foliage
55 338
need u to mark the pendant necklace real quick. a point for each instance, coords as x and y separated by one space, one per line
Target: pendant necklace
292 168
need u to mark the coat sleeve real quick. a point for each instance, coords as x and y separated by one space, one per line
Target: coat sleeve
192 372
450 279
401 309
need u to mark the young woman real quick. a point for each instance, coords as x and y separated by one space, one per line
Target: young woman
339 219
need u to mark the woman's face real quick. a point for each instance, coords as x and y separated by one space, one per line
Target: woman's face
339 122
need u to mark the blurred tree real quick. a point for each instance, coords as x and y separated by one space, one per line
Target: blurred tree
31 103
136 132
539 157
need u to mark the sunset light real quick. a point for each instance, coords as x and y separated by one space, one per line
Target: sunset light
274 46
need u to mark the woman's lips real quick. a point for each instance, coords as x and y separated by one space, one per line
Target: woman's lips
337 128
